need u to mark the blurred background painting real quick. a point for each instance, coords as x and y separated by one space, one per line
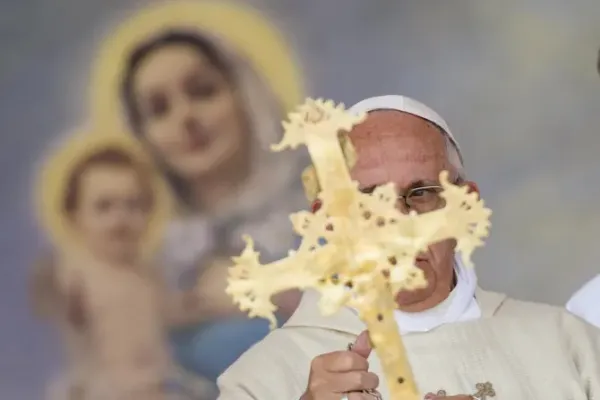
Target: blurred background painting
516 81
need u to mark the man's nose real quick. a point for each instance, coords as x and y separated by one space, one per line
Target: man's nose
401 205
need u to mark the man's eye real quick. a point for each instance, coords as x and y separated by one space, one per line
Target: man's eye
420 192
368 190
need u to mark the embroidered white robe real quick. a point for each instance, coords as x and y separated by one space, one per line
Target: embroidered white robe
525 350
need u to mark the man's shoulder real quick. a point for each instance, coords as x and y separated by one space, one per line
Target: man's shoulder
513 307
527 307
500 305
531 312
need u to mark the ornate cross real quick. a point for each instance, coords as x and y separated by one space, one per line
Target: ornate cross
484 390
358 249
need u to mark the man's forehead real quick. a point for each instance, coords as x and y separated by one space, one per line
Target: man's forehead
393 124
395 134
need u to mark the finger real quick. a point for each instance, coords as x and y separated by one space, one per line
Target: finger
359 396
362 345
342 361
353 381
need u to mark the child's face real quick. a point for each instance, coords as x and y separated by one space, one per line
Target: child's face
112 211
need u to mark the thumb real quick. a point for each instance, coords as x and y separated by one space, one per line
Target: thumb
362 345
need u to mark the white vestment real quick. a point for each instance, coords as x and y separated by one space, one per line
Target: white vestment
524 350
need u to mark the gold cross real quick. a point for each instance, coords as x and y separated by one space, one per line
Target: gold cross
370 246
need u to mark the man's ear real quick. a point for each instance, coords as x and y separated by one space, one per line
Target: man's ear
316 205
472 187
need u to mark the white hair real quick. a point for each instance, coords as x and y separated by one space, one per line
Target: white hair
454 157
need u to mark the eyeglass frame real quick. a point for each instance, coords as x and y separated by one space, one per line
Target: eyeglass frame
406 195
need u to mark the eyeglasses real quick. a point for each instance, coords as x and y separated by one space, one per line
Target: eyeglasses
420 199
423 199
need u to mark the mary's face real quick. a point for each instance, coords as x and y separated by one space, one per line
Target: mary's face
190 112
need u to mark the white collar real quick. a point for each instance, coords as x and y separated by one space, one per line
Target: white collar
460 305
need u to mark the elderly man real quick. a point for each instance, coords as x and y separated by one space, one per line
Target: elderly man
462 342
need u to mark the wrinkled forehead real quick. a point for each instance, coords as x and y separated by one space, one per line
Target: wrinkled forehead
398 132
390 140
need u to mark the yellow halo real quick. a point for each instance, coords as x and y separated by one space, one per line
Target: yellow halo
241 27
51 187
